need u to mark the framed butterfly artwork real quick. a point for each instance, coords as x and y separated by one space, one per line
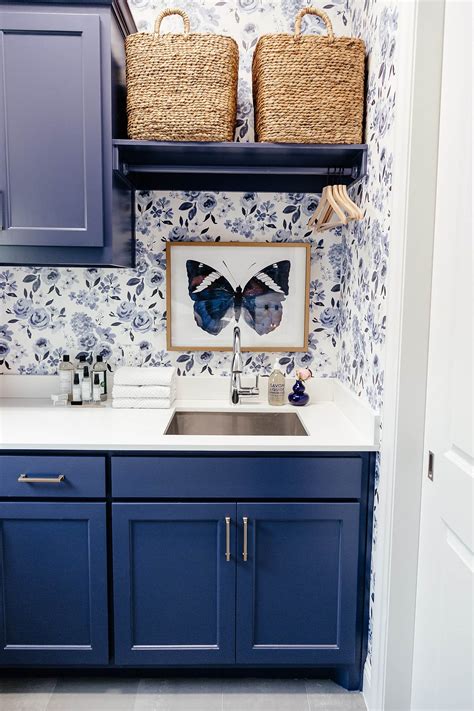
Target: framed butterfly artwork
213 286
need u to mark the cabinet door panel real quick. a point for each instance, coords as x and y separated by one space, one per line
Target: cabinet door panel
53 591
297 592
174 589
51 170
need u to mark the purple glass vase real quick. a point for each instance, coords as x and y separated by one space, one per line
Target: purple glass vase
298 397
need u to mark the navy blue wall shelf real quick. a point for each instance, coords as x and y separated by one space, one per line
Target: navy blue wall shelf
271 167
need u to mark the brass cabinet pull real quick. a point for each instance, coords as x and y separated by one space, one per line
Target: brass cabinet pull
25 479
227 538
245 548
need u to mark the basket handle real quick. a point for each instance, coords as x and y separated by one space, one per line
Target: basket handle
172 11
313 11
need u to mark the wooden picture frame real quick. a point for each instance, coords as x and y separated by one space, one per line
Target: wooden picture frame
183 333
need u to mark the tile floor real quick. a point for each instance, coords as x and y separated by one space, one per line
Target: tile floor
110 694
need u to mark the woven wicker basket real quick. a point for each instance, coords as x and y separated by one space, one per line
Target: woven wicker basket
181 87
309 89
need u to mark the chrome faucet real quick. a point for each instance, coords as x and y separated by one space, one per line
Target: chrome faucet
236 389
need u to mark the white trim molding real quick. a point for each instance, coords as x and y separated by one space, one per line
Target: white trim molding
388 685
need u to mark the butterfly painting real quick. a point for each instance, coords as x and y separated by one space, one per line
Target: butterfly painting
216 302
212 286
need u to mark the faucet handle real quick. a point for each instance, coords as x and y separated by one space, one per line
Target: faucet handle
251 389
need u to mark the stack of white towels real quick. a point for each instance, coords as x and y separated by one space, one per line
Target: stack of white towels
146 388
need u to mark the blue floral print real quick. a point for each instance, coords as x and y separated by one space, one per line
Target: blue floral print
45 312
99 310
40 318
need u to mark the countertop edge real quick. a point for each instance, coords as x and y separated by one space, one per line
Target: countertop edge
336 421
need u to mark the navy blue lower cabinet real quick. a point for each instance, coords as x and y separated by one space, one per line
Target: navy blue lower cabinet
174 583
297 583
53 584
226 568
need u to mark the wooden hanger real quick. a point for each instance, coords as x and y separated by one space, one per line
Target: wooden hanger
327 206
330 222
345 204
321 208
330 207
335 202
352 207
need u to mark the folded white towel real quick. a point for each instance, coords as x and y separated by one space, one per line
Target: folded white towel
131 375
141 391
146 403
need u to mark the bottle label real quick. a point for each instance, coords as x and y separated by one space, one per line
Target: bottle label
76 393
65 381
86 389
276 392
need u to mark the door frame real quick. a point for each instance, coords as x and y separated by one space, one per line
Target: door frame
388 681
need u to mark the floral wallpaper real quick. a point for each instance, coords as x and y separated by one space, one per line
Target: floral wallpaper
365 245
121 313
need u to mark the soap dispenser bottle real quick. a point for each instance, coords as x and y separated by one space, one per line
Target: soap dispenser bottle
81 364
66 374
86 385
76 391
100 369
96 388
276 386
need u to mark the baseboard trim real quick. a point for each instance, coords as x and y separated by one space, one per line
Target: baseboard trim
367 686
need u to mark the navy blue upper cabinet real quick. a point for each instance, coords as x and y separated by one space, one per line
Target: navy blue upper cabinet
174 585
61 88
297 587
53 584
51 178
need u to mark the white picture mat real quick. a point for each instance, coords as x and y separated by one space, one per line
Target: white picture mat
244 262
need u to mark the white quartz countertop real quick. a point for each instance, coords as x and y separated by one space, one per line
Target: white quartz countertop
335 420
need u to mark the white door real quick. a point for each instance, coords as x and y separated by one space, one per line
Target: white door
443 656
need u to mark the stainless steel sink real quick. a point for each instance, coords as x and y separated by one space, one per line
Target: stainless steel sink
267 424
